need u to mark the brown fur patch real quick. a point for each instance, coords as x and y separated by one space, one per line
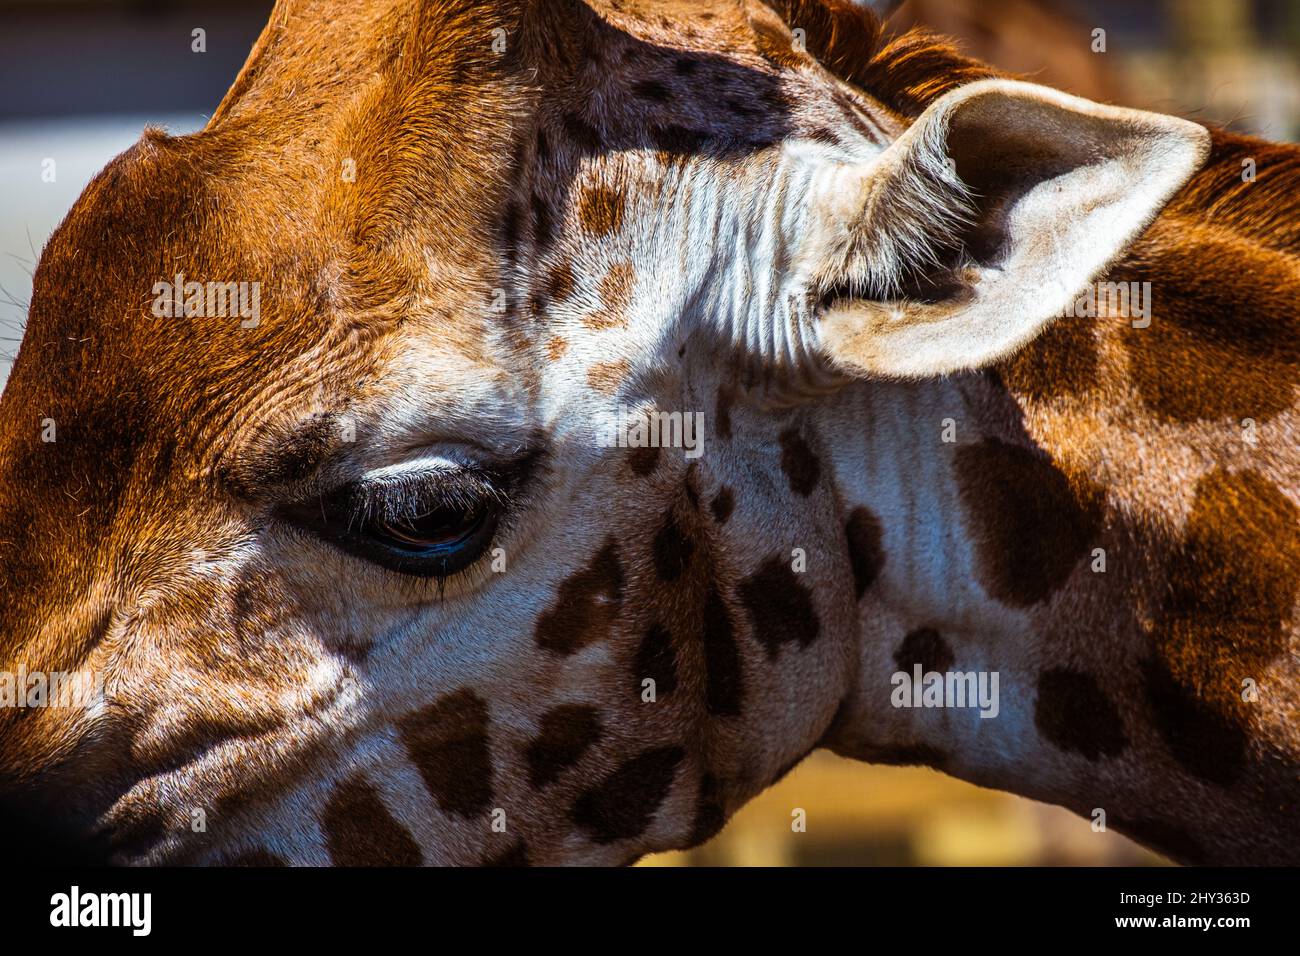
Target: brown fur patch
623 805
776 46
359 830
606 377
672 549
905 72
615 297
656 659
924 646
600 210
643 460
567 732
1232 585
799 462
1075 714
780 606
1062 362
1029 526
1219 346
585 607
1204 736
866 553
723 504
556 348
560 282
448 741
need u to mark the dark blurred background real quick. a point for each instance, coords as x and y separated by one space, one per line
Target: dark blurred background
79 79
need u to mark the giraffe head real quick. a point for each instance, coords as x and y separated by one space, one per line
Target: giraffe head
492 528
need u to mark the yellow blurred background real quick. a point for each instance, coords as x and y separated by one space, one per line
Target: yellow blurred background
866 815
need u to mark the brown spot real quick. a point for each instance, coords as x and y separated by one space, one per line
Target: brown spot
514 855
1222 343
601 210
1074 713
556 348
724 686
359 830
924 646
356 648
724 503
448 742
643 460
560 281
1030 528
780 606
652 90
866 553
672 549
674 140
656 659
623 805
581 133
615 297
1205 737
567 732
585 606
607 376
799 462
1228 601
616 286
1062 362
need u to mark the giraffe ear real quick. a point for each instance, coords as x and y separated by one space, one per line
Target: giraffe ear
984 221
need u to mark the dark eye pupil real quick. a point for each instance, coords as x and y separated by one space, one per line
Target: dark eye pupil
441 528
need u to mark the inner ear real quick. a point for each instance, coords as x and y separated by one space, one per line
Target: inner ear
982 222
1003 157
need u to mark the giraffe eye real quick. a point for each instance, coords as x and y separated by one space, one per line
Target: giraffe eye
440 533
429 524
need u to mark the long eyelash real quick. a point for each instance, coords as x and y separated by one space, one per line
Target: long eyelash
405 496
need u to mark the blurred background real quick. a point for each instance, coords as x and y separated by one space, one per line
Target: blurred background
79 79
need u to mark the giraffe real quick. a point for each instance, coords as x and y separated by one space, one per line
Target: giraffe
389 572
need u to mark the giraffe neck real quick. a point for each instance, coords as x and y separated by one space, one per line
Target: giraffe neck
989 552
898 449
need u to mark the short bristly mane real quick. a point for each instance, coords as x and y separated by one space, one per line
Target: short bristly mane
910 71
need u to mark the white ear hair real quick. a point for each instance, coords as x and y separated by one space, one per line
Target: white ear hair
983 221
